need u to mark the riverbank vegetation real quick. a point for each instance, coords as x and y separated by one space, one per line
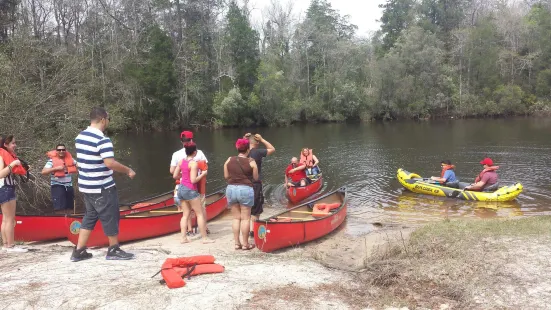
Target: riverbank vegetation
164 64
458 264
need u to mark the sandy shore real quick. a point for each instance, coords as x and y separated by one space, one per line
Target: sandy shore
46 278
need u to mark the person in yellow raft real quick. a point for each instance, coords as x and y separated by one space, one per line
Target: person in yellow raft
487 180
447 175
310 160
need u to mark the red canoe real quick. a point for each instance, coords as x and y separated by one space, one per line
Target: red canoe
298 225
147 224
299 193
53 226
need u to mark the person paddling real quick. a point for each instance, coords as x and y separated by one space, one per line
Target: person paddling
295 174
10 165
447 176
487 179
61 166
187 171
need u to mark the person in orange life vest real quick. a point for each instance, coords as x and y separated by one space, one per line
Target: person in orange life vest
488 177
61 166
447 176
185 137
9 166
310 160
295 174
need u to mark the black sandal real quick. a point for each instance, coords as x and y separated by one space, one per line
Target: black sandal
247 247
237 246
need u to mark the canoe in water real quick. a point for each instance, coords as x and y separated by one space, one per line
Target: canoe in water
417 184
53 226
301 224
146 224
299 193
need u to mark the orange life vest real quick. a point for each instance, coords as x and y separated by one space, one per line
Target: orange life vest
67 161
202 185
308 160
8 158
479 177
322 209
174 270
446 168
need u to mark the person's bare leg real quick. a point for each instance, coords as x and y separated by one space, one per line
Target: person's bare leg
236 213
8 223
245 216
113 240
83 236
186 210
201 220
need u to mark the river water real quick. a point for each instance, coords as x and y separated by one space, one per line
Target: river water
365 157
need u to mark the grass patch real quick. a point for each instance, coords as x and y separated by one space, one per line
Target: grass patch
463 264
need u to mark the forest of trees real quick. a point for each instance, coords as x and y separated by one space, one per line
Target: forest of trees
165 64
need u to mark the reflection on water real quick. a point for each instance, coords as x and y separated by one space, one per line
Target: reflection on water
365 157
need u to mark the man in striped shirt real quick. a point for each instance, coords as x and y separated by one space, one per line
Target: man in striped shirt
63 194
96 162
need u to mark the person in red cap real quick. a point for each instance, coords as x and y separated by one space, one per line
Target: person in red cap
187 136
487 179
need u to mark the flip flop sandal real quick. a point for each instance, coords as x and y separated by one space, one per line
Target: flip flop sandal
237 246
247 247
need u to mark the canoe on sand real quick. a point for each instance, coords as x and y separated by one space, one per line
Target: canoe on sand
301 223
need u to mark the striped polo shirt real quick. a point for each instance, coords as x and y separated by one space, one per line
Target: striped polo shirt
92 148
66 180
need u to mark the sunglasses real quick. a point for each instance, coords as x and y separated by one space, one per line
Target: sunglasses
61 150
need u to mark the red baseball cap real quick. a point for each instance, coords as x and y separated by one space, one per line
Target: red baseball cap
487 161
186 134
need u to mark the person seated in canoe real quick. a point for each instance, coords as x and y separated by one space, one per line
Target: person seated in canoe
295 174
447 176
310 160
487 180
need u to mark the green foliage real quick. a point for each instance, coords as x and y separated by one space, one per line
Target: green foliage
232 110
155 76
243 45
397 16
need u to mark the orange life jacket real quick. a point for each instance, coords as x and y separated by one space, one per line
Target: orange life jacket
67 161
174 270
202 185
446 168
308 160
8 158
322 209
479 177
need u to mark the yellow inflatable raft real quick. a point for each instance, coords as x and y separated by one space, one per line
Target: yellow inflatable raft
417 184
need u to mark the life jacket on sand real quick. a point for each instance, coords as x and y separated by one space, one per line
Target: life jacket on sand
202 185
8 158
479 177
307 160
322 209
174 270
67 161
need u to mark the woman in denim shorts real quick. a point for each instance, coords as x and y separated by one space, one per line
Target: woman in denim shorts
187 192
7 196
241 171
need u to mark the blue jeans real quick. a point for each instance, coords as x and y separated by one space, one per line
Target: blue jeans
7 194
240 194
313 171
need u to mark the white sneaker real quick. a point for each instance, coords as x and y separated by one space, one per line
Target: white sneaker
16 249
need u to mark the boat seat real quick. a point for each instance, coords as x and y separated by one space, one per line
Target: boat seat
452 184
491 188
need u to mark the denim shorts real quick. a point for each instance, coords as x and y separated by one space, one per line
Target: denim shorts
7 193
185 193
103 207
241 194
